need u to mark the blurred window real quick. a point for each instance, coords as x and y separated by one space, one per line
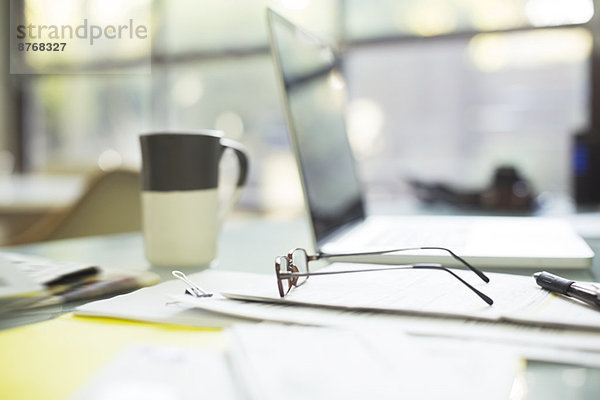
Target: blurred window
441 90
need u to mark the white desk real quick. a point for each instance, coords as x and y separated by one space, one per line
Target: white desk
250 245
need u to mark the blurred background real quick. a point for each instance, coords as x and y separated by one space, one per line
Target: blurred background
438 91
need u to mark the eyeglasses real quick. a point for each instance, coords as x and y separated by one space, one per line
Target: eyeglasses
293 268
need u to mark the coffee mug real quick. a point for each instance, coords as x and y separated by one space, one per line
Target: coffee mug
181 214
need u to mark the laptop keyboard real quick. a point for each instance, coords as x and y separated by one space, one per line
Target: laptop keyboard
377 236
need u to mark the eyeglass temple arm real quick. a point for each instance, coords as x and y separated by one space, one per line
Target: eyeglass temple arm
370 253
483 296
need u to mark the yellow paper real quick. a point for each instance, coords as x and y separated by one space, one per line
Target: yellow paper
50 360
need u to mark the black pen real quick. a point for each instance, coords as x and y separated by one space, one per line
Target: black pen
580 291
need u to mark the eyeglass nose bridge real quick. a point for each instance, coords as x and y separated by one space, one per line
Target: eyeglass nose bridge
294 279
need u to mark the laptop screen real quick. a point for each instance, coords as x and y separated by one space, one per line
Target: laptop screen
314 97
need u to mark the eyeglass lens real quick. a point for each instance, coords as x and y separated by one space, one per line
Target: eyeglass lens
282 266
299 259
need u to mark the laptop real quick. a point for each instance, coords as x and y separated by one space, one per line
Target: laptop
308 70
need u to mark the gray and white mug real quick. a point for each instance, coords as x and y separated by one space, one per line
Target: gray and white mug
180 202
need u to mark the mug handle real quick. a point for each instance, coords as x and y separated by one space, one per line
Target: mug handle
242 157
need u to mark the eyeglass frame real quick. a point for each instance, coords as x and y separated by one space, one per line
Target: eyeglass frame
292 272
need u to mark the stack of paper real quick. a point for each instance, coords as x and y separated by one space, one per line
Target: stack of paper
416 292
266 361
273 362
291 362
539 338
144 371
29 282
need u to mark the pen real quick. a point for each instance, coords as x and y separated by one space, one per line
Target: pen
579 291
92 290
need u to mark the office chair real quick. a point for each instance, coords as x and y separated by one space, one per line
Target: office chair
110 204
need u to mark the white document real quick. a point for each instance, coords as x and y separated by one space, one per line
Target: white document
43 270
144 371
432 292
289 362
530 342
166 303
23 278
155 303
15 284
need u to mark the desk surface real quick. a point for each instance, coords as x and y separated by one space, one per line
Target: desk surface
246 245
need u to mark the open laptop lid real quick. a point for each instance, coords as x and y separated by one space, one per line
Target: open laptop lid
314 98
